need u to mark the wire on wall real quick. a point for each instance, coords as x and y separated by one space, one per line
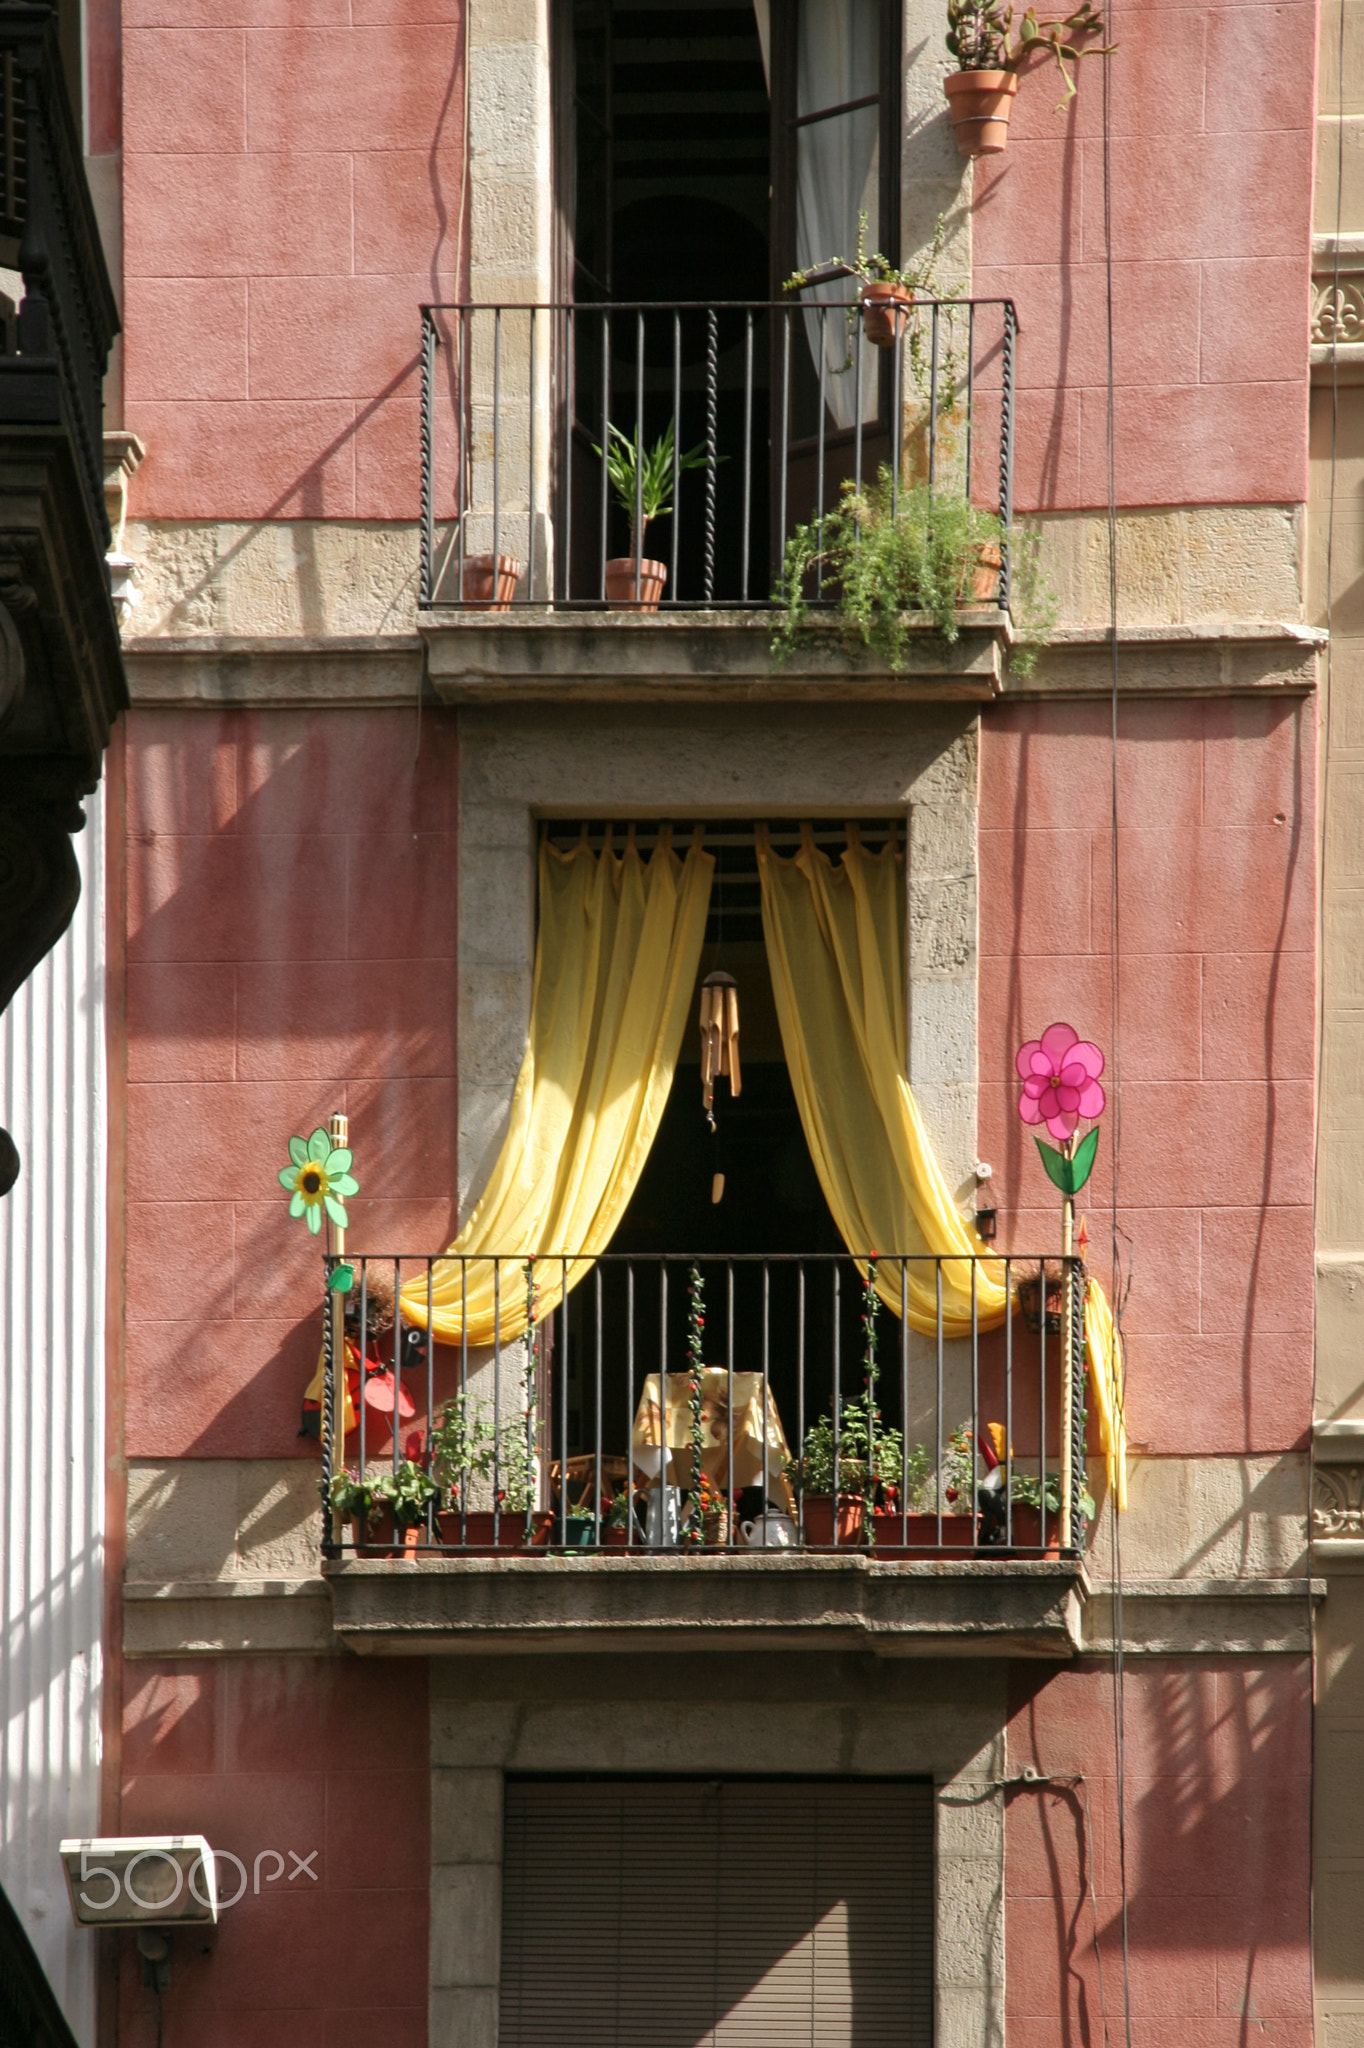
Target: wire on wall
1119 1284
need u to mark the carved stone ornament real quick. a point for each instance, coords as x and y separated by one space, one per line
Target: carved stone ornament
1337 1501
1337 310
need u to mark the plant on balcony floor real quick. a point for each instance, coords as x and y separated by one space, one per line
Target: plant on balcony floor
409 1492
886 554
642 480
889 555
461 1446
980 94
869 1459
352 1498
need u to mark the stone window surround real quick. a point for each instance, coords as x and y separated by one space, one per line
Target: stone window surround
518 764
943 1722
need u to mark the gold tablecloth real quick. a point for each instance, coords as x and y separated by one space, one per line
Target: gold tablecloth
747 1430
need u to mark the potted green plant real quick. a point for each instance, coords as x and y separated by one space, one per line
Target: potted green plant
407 1494
887 554
469 1456
352 1497
980 95
869 1461
642 481
886 293
489 582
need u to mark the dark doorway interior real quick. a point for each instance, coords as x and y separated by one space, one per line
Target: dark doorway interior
669 143
795 1316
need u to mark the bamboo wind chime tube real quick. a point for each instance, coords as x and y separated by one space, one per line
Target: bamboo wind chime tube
339 1132
719 1049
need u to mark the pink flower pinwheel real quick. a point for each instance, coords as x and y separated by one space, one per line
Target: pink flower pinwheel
1060 1073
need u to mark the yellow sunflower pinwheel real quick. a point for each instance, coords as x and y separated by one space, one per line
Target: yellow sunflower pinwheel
318 1176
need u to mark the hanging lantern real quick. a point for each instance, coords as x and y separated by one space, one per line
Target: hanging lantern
719 1036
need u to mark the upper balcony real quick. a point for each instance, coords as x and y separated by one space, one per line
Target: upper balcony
730 425
655 1465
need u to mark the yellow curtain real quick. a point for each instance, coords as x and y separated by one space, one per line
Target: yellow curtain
615 968
835 946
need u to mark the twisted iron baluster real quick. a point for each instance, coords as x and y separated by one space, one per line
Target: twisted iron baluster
712 368
428 359
329 1464
1006 451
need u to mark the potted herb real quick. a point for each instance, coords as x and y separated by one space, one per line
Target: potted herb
642 481
869 1461
886 293
407 1494
469 1456
352 1497
1025 1498
980 95
887 554
616 1521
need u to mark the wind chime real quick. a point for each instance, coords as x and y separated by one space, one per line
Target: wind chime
719 1054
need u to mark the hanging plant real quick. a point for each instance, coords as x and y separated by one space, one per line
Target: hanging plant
981 94
317 1176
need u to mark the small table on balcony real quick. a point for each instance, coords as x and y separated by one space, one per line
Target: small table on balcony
743 1423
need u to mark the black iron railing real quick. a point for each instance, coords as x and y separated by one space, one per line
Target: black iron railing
770 407
706 1404
67 319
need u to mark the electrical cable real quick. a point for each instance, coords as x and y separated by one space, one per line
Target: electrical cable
1119 1291
1321 923
1037 1780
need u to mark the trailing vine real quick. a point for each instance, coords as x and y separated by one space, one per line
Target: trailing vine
696 1323
870 1306
532 1356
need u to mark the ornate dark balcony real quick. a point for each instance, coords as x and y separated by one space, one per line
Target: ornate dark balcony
61 670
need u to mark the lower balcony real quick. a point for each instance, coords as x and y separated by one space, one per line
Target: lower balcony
718 1452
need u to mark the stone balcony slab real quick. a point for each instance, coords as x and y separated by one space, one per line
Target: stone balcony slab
503 1605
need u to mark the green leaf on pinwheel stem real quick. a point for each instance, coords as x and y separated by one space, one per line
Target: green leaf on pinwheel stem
342 1279
1070 1175
1082 1165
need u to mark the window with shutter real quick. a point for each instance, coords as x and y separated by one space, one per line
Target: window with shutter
734 1913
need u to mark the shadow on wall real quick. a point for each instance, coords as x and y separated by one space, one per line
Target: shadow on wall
292 932
1216 944
1217 1853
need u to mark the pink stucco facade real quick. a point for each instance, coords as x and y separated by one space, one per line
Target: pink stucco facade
286 944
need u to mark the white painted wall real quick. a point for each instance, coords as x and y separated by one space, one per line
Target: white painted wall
52 1264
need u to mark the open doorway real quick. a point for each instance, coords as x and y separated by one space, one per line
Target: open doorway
775 1299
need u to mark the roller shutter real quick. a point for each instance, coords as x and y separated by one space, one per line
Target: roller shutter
739 1913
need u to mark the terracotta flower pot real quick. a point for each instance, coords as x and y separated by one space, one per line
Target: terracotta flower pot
980 103
474 1531
885 308
917 1535
1030 1304
479 579
377 1537
985 575
614 1539
1027 1528
620 584
819 1519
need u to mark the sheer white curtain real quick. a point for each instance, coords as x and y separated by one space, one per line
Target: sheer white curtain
838 176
